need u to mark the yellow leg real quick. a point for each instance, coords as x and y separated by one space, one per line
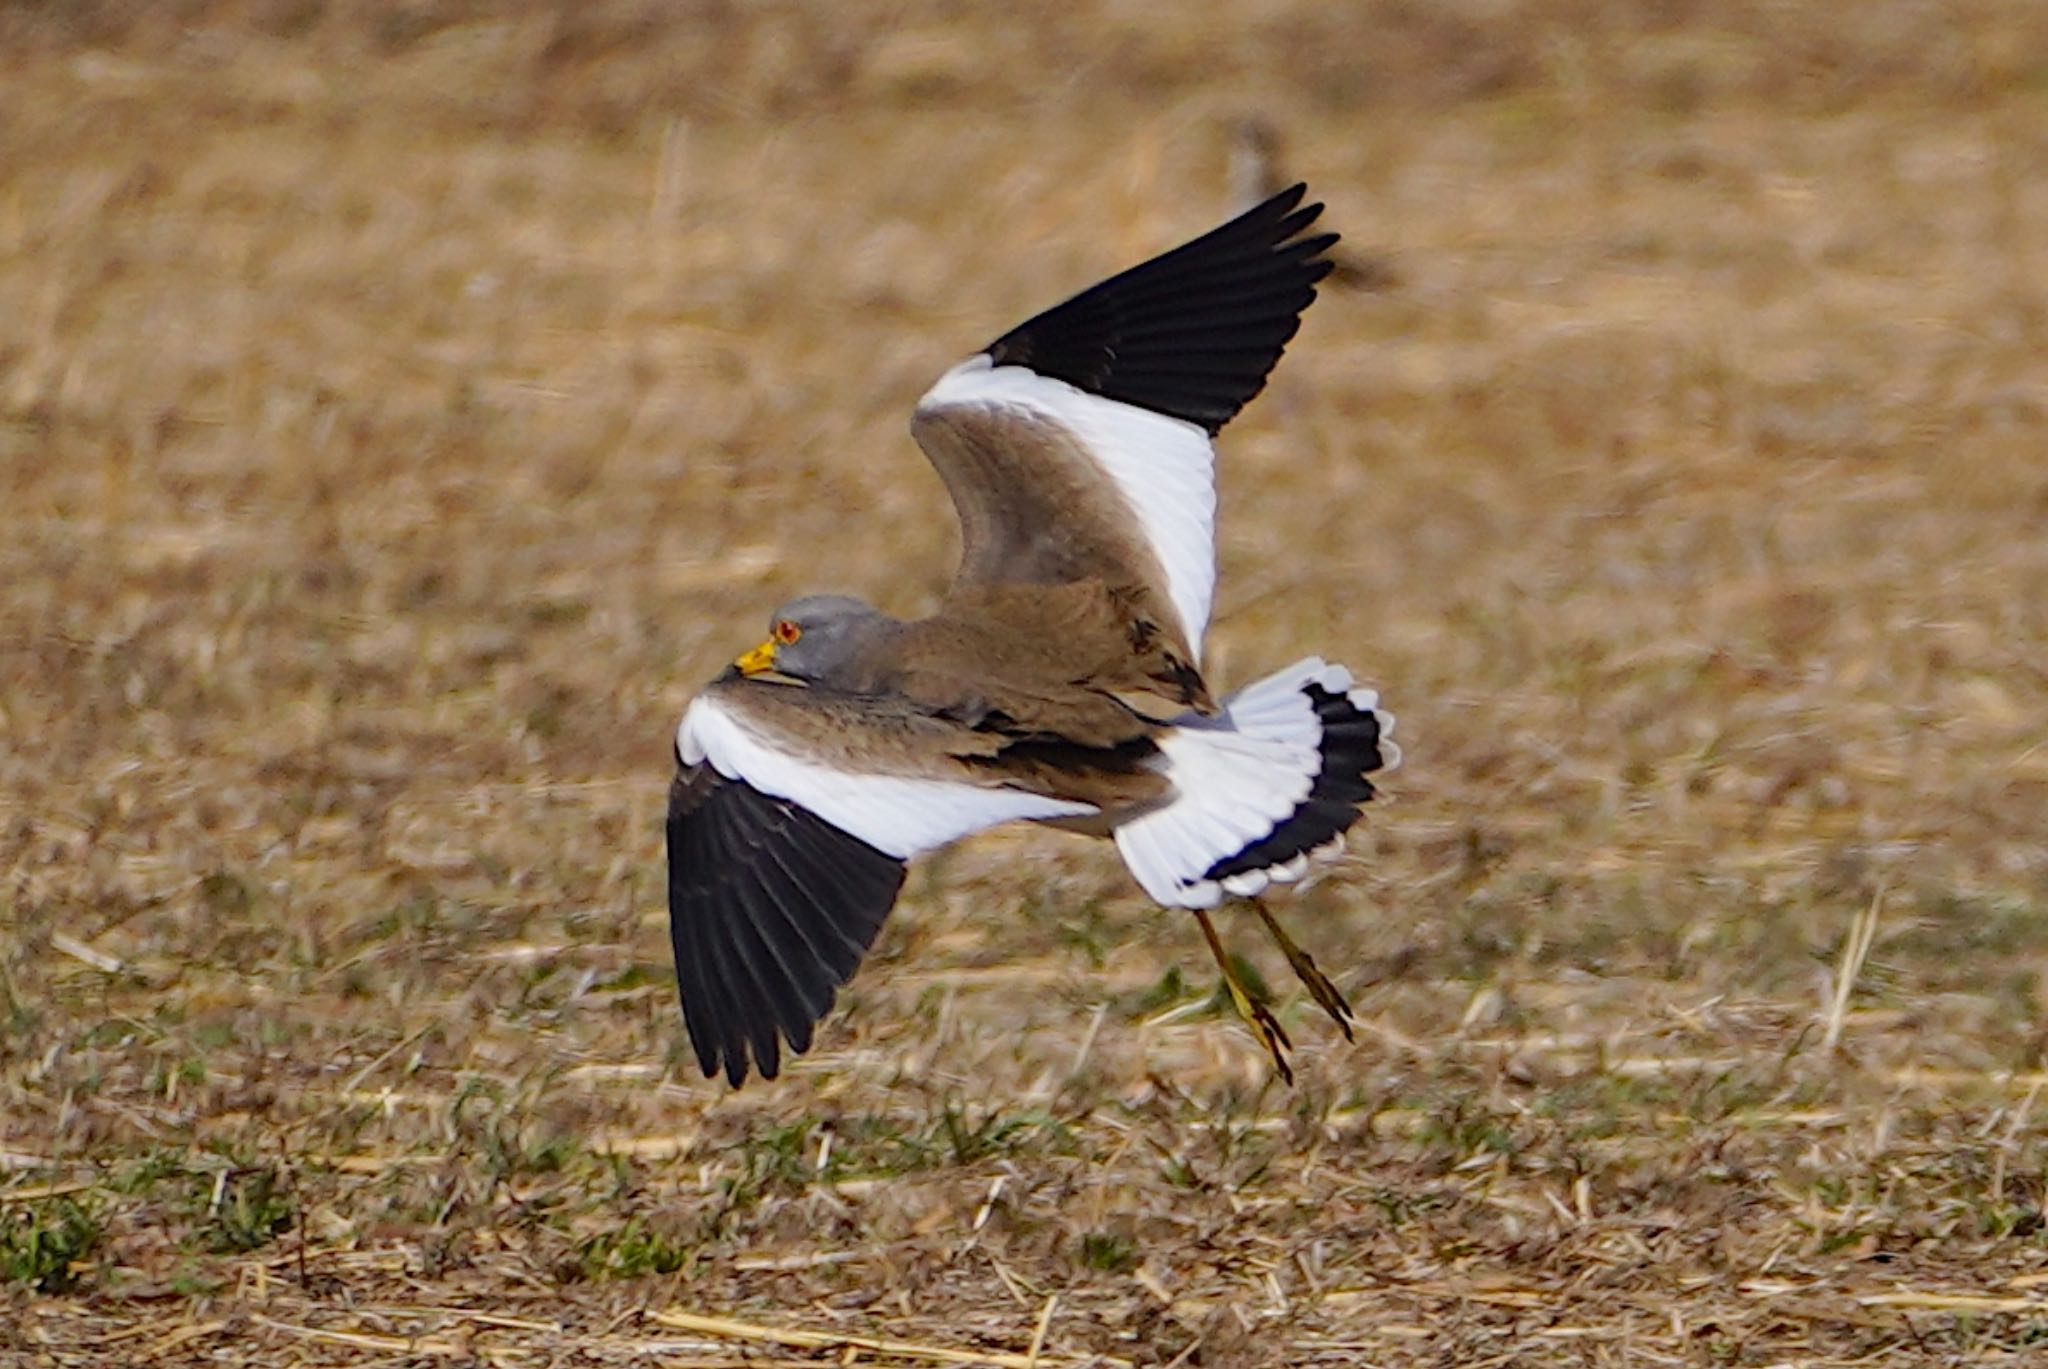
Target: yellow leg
1318 984
1250 1009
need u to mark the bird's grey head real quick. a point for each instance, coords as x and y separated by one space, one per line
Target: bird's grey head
826 639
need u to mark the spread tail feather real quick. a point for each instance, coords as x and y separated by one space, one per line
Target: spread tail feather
1271 781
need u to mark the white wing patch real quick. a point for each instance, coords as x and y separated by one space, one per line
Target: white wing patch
1164 468
895 814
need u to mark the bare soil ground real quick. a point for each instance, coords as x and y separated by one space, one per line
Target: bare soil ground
402 407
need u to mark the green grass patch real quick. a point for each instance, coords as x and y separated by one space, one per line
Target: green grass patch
1108 1252
44 1244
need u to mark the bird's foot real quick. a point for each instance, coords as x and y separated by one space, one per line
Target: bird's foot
1326 994
1255 1013
1271 1034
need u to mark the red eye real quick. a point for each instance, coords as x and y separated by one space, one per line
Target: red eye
787 632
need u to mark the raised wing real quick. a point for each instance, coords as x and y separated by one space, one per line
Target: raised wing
786 851
1078 443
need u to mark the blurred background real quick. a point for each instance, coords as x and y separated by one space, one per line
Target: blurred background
403 407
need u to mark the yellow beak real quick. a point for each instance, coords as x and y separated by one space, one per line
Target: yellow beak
759 661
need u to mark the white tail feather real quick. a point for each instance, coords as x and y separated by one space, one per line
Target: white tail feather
1237 777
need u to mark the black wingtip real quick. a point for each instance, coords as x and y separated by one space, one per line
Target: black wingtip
1194 332
770 910
1283 205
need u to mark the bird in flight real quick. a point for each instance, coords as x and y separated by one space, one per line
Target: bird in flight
1059 682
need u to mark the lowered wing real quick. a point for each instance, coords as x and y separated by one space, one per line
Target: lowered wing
790 824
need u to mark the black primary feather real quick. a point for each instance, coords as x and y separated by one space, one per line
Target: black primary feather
1194 332
770 910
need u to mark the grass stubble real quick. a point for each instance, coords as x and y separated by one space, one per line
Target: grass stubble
401 409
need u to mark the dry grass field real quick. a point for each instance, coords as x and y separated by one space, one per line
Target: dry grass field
403 406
